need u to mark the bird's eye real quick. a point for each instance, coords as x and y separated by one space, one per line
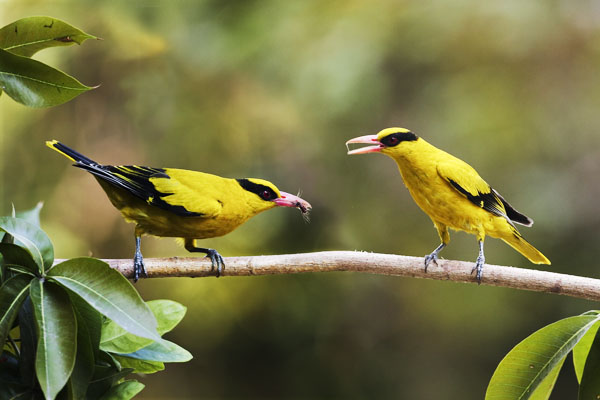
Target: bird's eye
266 195
391 140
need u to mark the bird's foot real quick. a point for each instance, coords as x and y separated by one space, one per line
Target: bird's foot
138 267
431 258
479 268
216 260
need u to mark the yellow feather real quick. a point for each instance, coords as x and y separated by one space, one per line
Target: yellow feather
179 203
452 193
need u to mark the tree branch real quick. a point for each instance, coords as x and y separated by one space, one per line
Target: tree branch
382 264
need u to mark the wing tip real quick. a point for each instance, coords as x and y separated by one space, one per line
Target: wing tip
525 221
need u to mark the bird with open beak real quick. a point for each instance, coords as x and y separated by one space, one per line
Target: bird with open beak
451 193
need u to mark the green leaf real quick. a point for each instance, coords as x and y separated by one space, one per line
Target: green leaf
32 238
36 84
28 343
532 360
29 35
124 391
86 314
140 366
115 339
168 314
581 350
163 350
12 294
544 389
15 255
32 215
6 238
107 291
57 336
84 360
107 372
590 381
124 342
10 383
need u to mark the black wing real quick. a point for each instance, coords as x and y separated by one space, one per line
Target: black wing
136 180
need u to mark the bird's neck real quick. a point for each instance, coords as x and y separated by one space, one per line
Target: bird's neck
413 154
415 161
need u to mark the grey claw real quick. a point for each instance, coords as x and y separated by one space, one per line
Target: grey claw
217 261
138 268
429 259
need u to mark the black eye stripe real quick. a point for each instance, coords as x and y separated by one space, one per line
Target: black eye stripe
396 138
262 191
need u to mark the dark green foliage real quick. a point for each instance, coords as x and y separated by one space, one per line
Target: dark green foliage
77 329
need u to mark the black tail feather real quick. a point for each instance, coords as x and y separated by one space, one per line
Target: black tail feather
70 153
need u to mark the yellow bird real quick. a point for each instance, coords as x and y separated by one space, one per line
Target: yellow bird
451 192
179 203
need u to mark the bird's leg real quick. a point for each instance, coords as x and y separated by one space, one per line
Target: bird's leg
433 256
479 263
215 257
138 260
444 237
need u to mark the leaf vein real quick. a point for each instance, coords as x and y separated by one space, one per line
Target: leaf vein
104 298
85 88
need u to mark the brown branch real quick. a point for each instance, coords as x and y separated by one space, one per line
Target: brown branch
382 264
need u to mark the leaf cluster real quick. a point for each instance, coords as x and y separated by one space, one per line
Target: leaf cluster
74 330
32 82
530 369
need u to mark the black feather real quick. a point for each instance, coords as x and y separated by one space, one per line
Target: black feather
513 214
493 202
78 157
136 180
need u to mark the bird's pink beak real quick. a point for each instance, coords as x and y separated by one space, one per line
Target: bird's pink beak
368 139
289 200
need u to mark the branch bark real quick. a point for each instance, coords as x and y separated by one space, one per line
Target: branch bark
373 263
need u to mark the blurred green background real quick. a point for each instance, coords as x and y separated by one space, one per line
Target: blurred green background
273 89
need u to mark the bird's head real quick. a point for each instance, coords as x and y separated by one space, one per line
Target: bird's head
266 195
389 141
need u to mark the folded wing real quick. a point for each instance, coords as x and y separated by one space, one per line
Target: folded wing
465 180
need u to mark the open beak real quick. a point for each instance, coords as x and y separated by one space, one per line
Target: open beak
289 200
369 139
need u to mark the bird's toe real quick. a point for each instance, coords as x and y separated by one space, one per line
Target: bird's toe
217 262
430 258
139 268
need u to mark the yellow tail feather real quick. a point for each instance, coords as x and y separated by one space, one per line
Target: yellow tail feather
517 242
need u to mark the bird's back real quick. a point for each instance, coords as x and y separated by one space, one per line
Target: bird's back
180 203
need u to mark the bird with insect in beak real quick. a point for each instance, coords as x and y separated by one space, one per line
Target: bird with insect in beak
451 193
191 205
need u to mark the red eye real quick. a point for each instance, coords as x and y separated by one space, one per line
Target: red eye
393 141
266 195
